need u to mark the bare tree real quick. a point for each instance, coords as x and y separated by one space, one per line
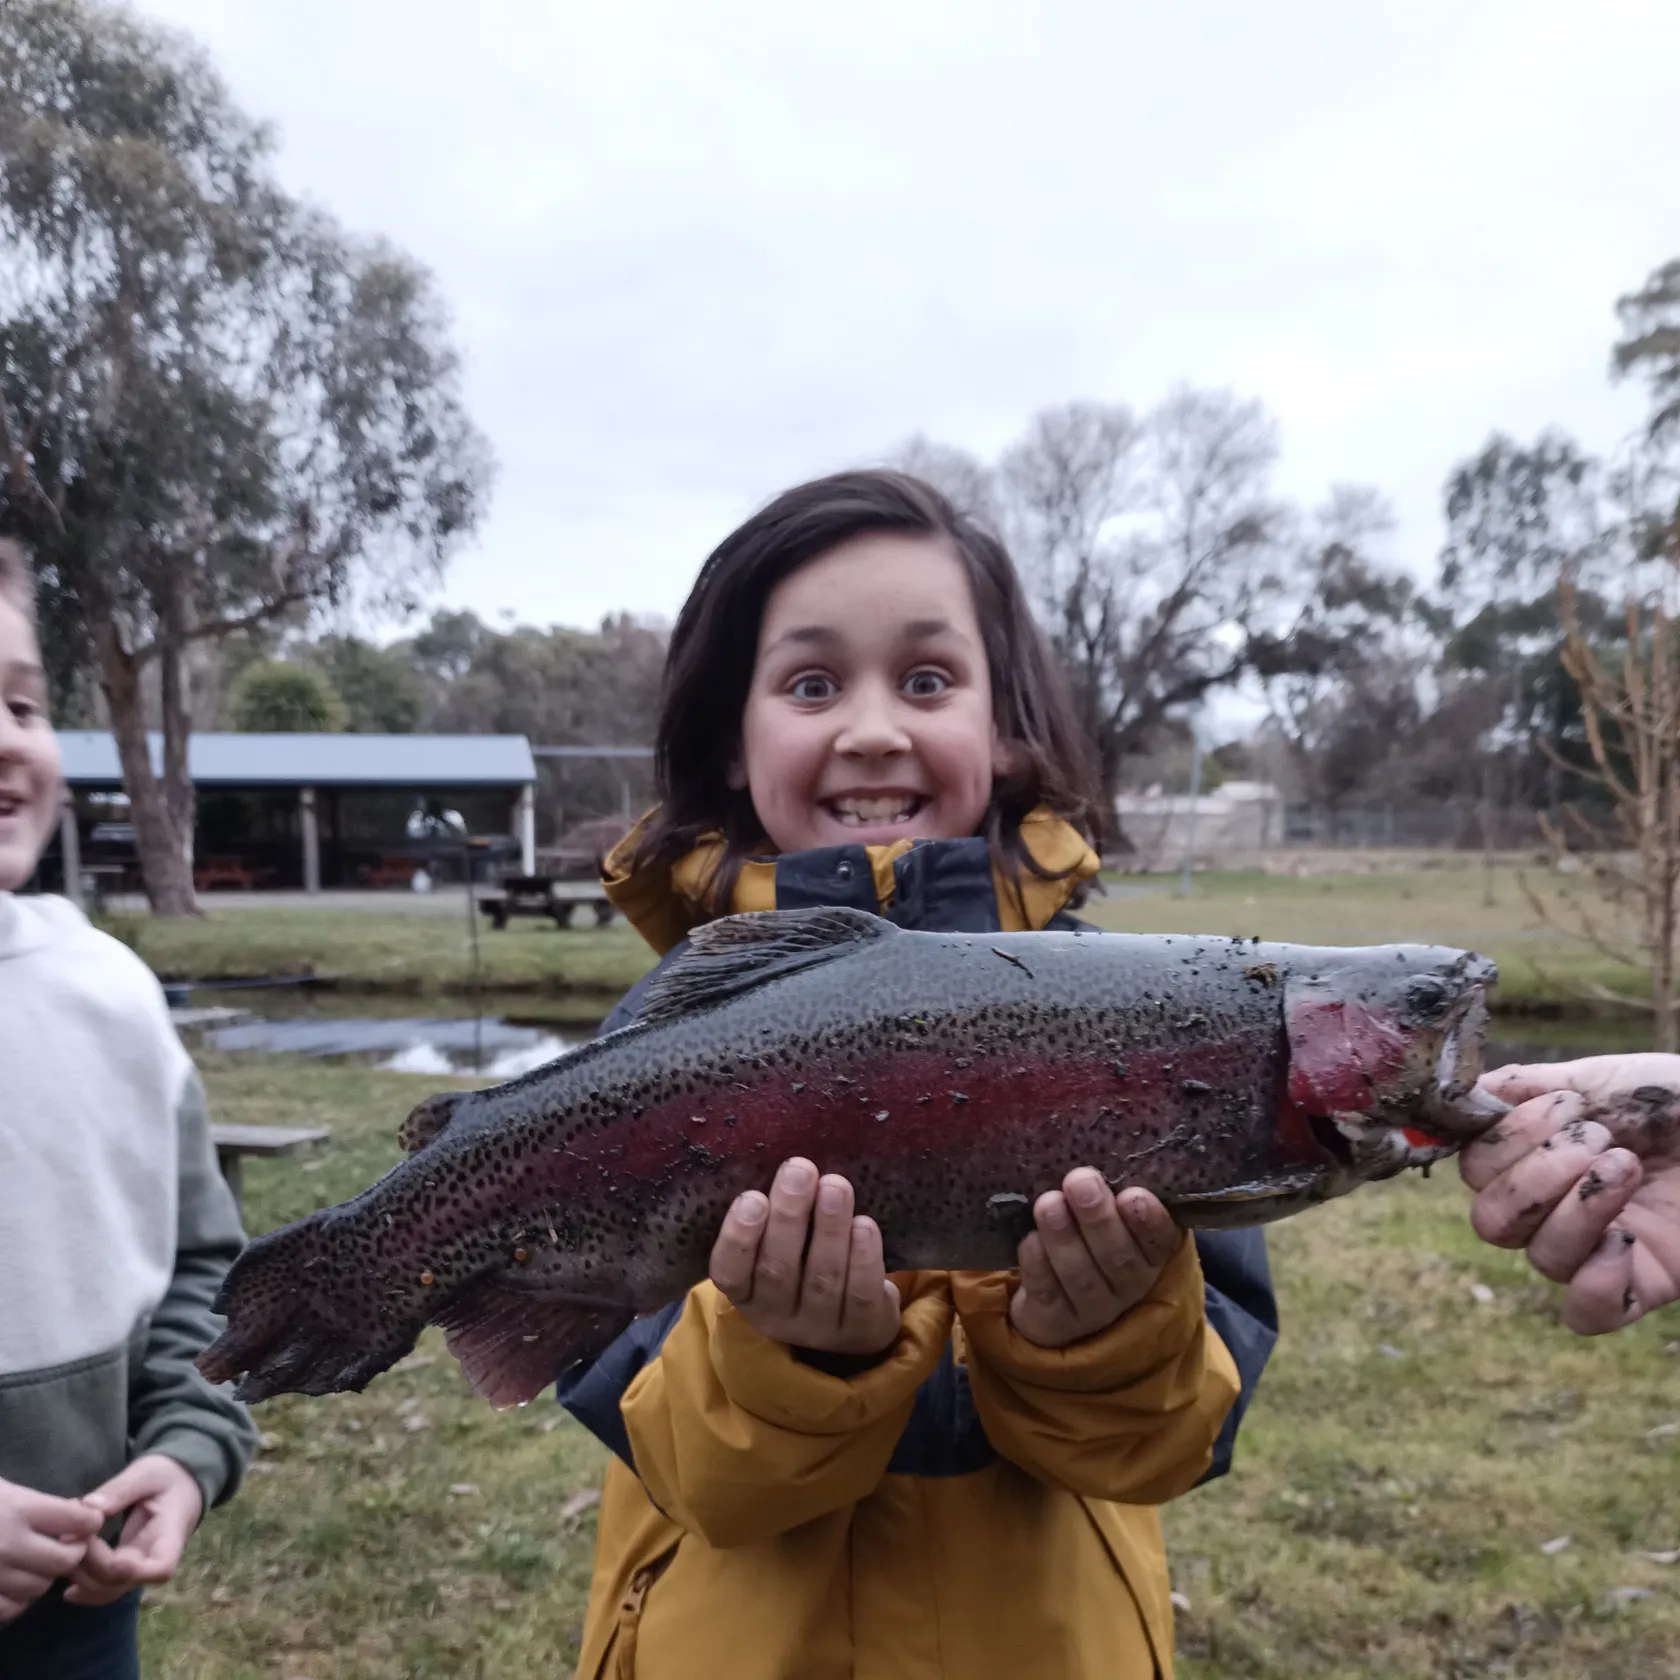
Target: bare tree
1145 544
1631 709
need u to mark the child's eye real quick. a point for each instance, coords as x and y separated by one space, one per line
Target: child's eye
24 711
813 686
924 685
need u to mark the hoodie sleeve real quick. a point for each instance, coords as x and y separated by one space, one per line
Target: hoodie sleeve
1131 1414
735 1438
172 1409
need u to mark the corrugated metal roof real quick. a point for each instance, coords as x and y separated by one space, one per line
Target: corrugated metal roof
411 761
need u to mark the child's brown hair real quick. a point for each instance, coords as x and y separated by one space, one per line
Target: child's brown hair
713 648
17 580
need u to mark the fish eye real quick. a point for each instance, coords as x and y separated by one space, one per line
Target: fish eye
1426 996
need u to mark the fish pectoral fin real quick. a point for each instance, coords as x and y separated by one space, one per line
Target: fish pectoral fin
737 953
512 1344
1234 1195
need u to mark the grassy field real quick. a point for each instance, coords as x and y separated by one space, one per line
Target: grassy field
408 952
1425 1436
415 953
1539 968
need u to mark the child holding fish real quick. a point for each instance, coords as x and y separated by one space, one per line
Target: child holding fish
115 1232
821 1470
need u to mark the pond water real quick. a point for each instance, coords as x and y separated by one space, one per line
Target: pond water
513 1035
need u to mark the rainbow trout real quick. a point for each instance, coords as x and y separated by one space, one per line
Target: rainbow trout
951 1077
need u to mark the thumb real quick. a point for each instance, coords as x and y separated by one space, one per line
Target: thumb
140 1480
1518 1081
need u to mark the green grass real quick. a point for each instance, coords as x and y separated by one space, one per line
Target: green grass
412 953
1410 1452
416 954
1540 968
406 1532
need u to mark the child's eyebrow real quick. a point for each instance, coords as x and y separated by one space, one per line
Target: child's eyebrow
23 670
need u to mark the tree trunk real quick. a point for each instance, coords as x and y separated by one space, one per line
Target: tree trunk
177 720
165 850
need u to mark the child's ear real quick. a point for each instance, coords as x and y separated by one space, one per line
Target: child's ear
737 776
1009 758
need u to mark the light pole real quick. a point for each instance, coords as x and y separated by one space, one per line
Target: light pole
1190 823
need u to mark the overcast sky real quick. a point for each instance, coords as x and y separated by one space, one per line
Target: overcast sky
699 252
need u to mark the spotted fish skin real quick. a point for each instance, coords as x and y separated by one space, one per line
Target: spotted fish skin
951 1077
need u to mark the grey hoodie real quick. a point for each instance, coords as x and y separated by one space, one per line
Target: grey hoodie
115 1226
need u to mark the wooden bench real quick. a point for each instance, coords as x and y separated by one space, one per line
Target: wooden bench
234 1143
542 895
389 872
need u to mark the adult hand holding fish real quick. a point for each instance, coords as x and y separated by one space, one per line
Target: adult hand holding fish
1584 1174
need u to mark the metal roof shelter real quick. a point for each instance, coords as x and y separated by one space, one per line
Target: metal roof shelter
306 763
251 761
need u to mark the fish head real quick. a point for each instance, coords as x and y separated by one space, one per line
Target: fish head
1385 1048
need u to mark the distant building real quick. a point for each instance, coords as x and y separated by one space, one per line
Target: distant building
1235 817
307 811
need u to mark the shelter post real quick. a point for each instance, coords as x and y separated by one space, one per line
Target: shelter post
525 826
70 843
311 840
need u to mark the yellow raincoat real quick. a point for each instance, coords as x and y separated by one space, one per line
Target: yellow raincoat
972 1505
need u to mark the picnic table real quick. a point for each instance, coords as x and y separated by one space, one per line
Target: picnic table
234 1143
543 895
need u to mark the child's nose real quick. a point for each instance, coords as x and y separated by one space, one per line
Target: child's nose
873 727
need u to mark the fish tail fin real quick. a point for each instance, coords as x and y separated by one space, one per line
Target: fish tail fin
512 1344
281 1336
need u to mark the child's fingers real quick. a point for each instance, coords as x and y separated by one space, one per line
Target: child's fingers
735 1252
1512 1208
44 1554
19 1588
1152 1229
871 1297
1080 1278
1040 1292
822 1291
1575 1228
1516 1135
781 1255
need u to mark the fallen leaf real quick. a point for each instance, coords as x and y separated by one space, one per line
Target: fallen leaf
415 1422
1481 1295
415 1362
461 1489
1627 1595
1180 1601
585 1499
1553 1547
1389 1351
1662 1432
1661 1557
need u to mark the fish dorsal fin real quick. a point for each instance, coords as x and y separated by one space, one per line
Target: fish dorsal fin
735 954
428 1120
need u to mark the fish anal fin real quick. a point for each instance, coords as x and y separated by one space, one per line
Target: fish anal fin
738 953
512 1345
428 1120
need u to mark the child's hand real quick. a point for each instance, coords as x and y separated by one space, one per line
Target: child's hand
41 1538
163 1505
1595 1212
833 1299
1093 1256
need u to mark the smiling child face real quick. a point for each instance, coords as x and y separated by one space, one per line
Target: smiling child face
870 719
29 767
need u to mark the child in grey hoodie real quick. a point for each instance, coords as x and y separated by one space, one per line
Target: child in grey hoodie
115 1232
